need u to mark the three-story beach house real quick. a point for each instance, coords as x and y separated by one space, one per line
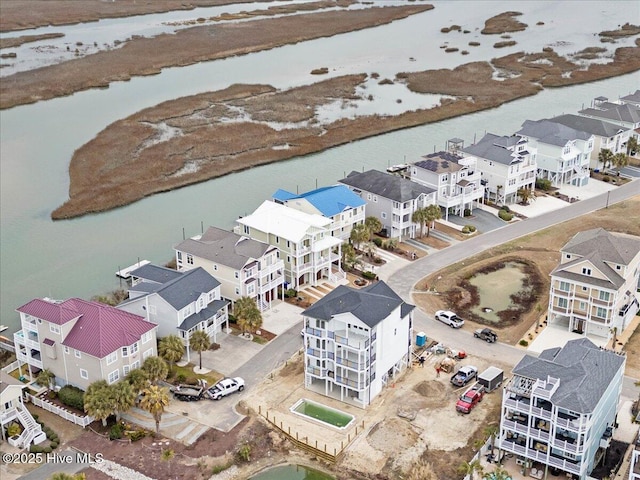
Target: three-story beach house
559 409
593 289
356 342
564 153
244 267
626 113
310 253
455 178
392 199
506 165
81 341
337 202
178 302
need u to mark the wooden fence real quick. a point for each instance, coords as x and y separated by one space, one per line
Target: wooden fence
329 453
61 412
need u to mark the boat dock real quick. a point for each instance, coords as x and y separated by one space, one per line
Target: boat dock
3 328
126 272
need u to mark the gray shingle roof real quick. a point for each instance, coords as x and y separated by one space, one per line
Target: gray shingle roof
632 98
203 315
225 248
612 111
495 148
552 133
155 273
440 162
385 185
584 370
593 126
371 304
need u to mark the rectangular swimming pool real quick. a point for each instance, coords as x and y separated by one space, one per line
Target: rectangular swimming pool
322 413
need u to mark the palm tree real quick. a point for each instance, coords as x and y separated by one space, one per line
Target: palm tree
620 160
171 349
154 399
614 337
98 401
491 431
606 157
247 314
348 254
632 145
420 217
166 456
200 341
373 224
123 397
156 369
46 378
359 234
499 473
525 194
470 468
138 379
433 213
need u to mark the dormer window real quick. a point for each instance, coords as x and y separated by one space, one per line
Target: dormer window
586 271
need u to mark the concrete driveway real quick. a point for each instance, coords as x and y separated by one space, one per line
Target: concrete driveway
484 219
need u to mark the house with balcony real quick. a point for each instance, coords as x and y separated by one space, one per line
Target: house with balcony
12 409
606 135
337 202
559 409
564 153
356 341
626 114
506 165
455 178
243 266
392 199
593 289
179 303
81 341
310 253
631 99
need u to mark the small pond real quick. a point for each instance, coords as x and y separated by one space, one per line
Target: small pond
292 472
495 290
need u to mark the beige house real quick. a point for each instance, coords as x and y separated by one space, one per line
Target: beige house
243 266
12 409
304 242
81 341
593 289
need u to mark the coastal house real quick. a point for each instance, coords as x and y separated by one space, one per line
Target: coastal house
12 409
244 267
81 341
356 342
455 178
178 302
559 409
563 152
336 202
626 115
606 135
392 199
310 253
631 99
506 165
593 289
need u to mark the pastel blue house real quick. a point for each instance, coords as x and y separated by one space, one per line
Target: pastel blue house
559 409
336 202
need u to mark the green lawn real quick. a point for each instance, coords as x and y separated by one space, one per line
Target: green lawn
212 377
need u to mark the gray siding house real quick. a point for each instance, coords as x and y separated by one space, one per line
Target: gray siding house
392 199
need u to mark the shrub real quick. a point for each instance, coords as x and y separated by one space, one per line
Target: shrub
53 445
181 378
14 429
116 432
606 178
220 468
468 229
369 275
506 216
191 381
291 293
35 449
72 397
47 449
232 319
505 208
543 184
523 342
137 435
377 241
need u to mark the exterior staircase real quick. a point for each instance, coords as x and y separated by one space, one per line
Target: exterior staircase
32 429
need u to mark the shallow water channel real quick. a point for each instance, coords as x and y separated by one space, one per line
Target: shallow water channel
495 290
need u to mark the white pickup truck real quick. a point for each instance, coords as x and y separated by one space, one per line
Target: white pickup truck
224 387
450 318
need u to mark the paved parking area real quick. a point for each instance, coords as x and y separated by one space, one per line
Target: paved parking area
484 218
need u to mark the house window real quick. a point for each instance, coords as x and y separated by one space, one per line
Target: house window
246 229
210 297
584 289
583 306
114 376
567 256
112 357
236 274
149 352
125 352
277 239
368 196
604 295
189 259
179 256
84 374
586 271
601 312
77 353
375 198
215 267
562 302
54 328
66 350
201 302
135 365
134 349
564 286
237 290
288 244
125 370
618 267
146 337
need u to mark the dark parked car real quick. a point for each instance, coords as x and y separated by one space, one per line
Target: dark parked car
486 334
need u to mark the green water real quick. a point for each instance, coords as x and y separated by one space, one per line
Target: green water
292 472
324 414
496 288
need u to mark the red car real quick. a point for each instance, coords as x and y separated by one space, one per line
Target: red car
470 398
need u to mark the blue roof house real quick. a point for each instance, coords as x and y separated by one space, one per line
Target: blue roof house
336 202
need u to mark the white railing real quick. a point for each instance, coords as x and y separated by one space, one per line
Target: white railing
11 367
61 412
